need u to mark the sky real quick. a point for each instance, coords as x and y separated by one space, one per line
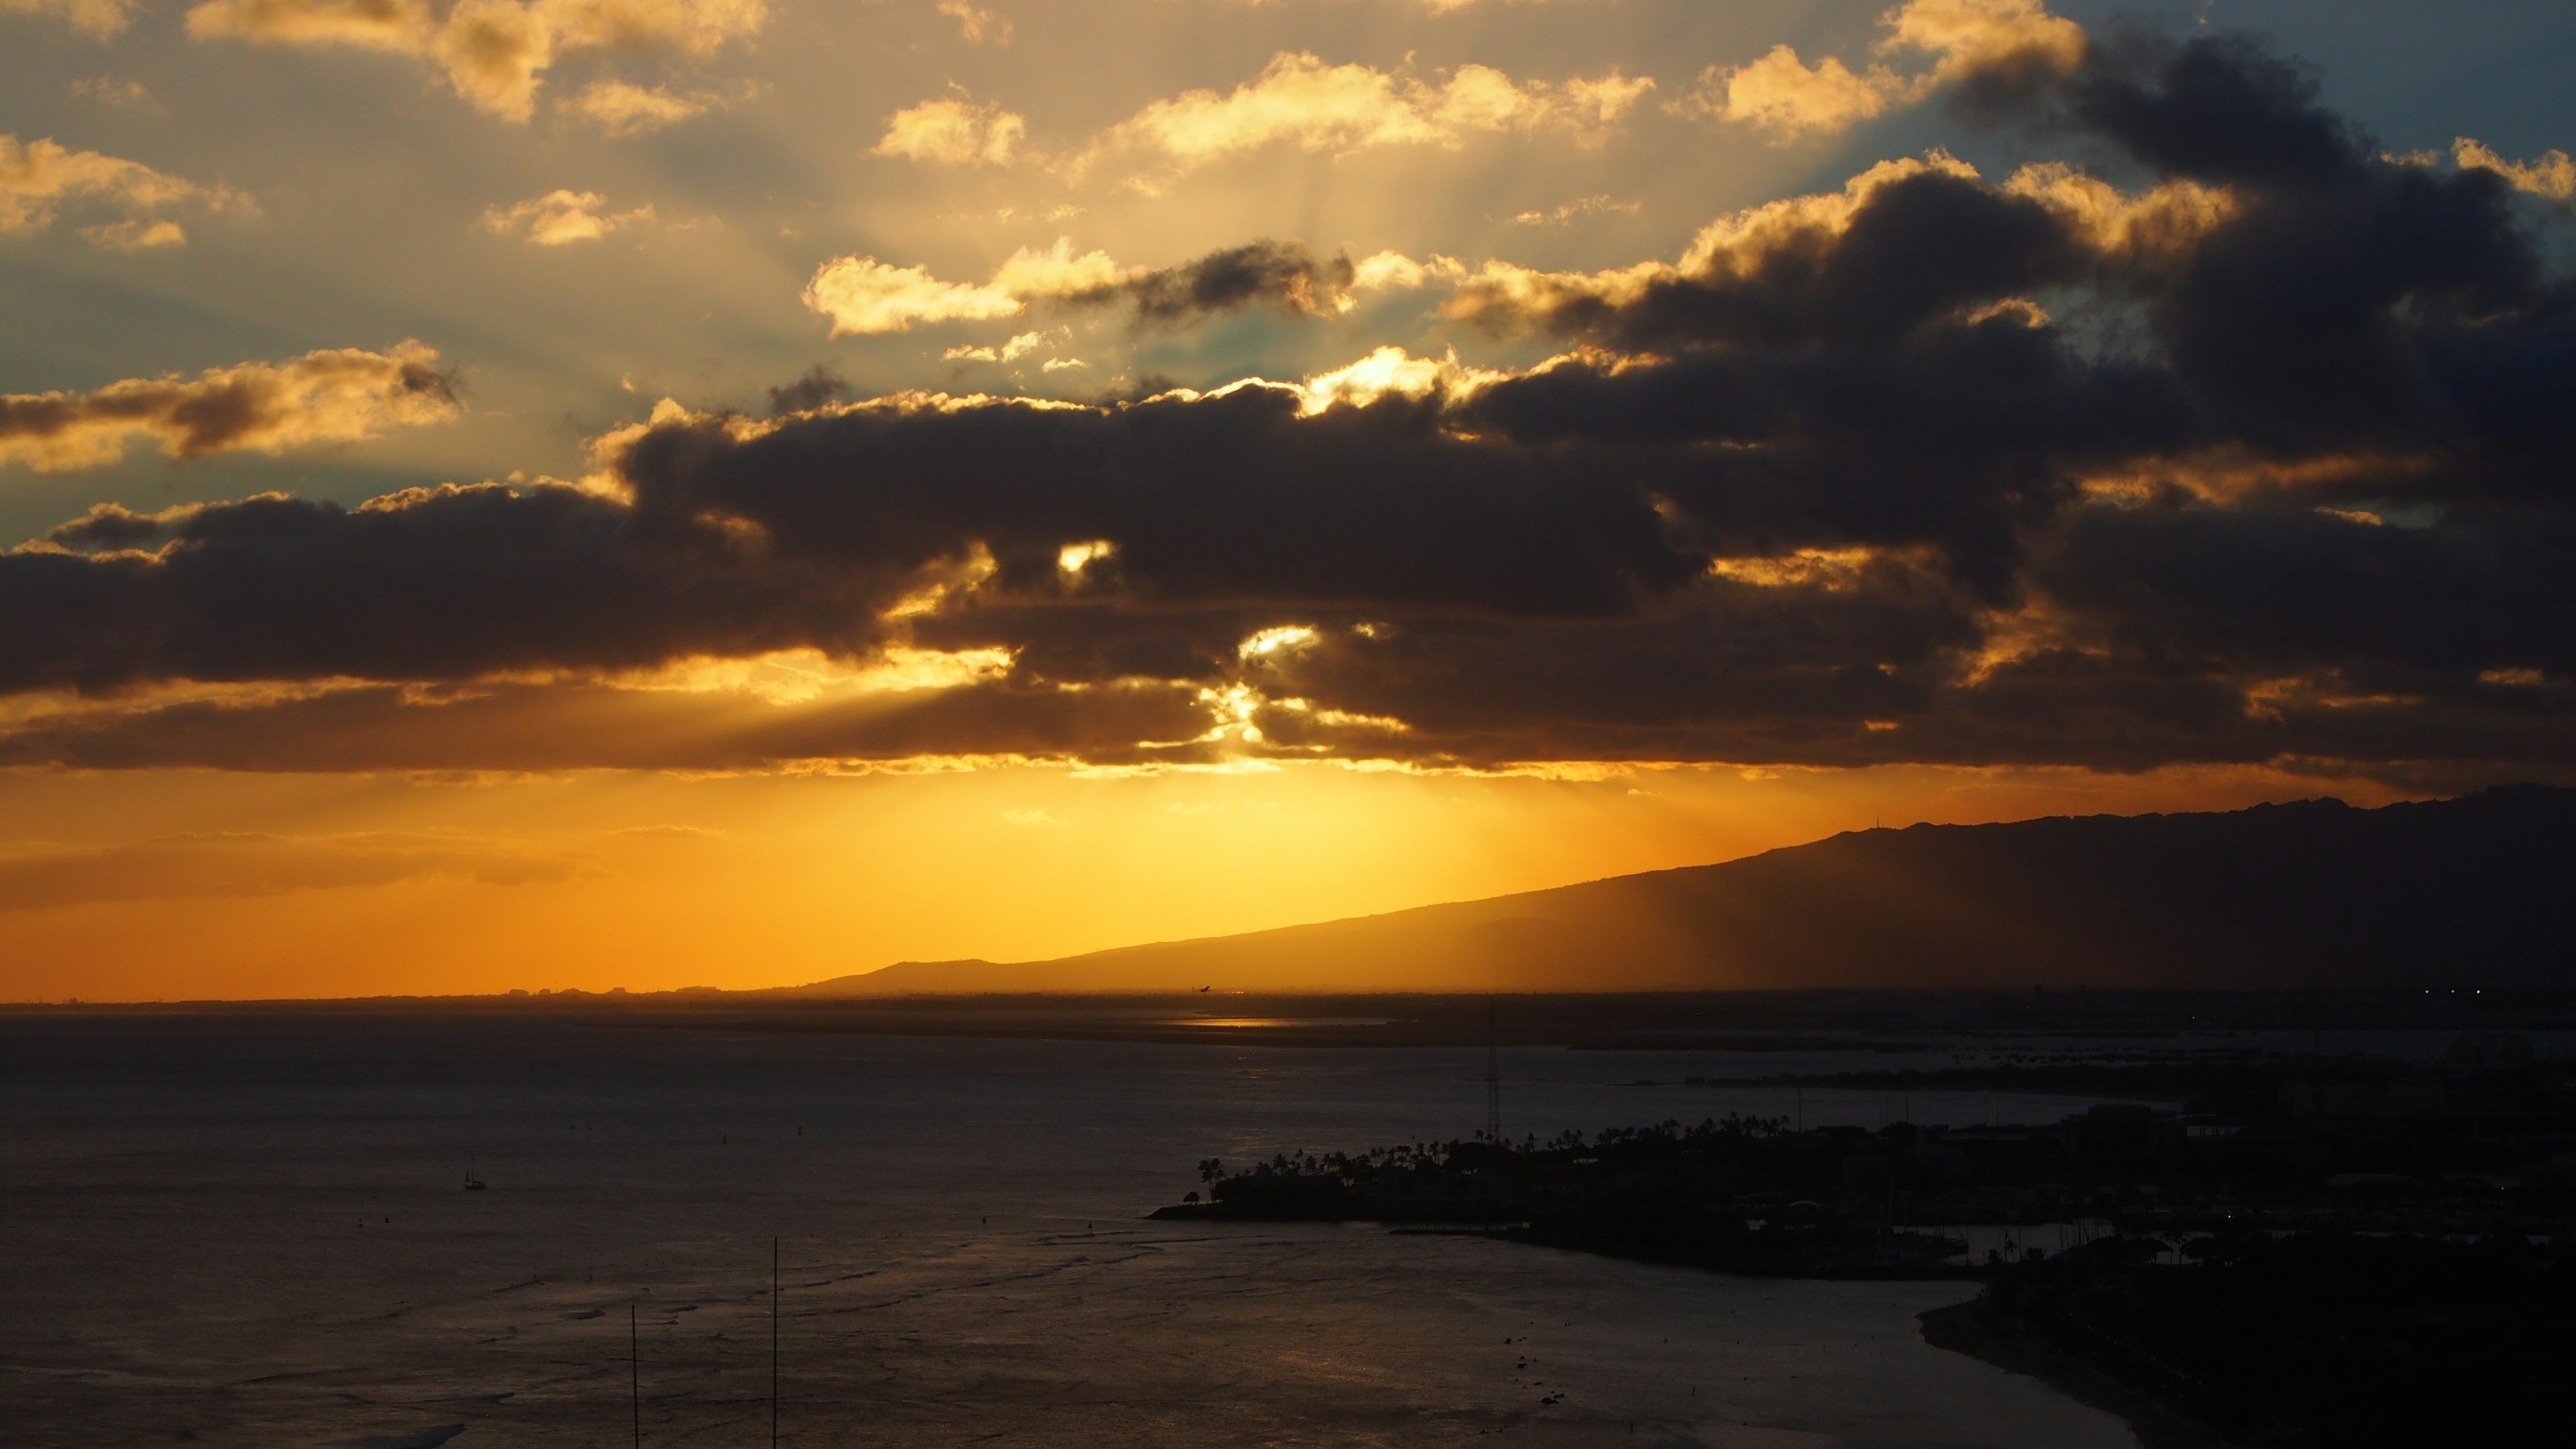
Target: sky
595 493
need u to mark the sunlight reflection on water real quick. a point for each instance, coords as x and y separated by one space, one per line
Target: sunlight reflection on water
250 1231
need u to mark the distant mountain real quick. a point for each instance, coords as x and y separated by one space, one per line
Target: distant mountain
2478 890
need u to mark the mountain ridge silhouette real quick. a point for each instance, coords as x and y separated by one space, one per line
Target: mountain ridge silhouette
2312 893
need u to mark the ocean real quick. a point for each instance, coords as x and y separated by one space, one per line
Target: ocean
253 1230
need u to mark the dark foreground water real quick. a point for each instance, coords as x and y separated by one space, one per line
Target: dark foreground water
250 1231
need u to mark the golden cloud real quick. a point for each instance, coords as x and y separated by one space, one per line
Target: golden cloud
1596 205
559 217
135 235
1789 98
403 26
2550 174
1835 570
1966 35
2162 221
38 178
1784 95
865 296
1391 371
495 52
694 27
976 23
1013 350
953 132
334 396
623 108
1301 102
102 19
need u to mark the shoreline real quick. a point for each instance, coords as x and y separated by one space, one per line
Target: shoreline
1992 1338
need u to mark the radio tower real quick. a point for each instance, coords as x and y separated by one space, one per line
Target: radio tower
1493 1078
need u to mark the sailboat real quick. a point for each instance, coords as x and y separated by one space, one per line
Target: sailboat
472 1183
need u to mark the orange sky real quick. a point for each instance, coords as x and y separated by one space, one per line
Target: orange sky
764 490
596 880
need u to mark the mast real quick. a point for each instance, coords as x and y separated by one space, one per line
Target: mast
635 1375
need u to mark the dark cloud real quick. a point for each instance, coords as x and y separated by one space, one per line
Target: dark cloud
817 388
1919 247
1941 470
2217 108
1285 277
1223 498
2289 589
435 584
107 526
594 725
1961 435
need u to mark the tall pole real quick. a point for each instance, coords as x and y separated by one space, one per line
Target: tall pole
635 1375
773 1343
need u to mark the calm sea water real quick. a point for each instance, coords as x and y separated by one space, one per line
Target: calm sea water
252 1232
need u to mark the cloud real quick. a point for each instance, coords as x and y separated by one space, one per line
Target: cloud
2257 454
719 548
1436 7
181 867
623 108
2551 174
468 582
333 396
975 23
1600 205
39 178
589 725
1900 242
561 217
1994 40
864 295
692 27
494 53
124 94
819 387
135 235
1783 94
100 19
1967 36
953 132
1011 351
1282 275
1299 101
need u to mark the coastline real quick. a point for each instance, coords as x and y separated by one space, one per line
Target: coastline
1993 1338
